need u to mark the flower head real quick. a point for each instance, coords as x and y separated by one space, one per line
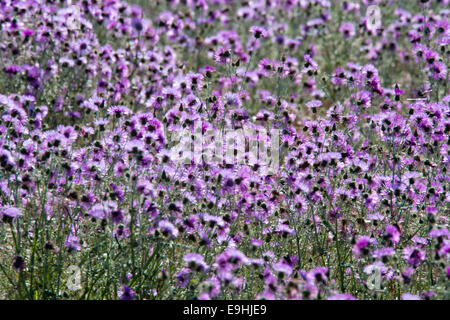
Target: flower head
126 293
9 213
347 29
414 255
168 229
259 32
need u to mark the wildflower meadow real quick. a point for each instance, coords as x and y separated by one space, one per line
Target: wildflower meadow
224 150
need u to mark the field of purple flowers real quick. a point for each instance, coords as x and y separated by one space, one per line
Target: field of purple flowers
94 94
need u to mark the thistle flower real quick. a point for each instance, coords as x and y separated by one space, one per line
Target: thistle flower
313 105
196 262
233 99
318 275
406 274
119 111
222 56
232 257
430 56
117 216
168 229
282 269
183 277
439 70
98 212
392 233
362 246
347 29
383 253
259 32
137 25
9 213
208 71
409 296
414 255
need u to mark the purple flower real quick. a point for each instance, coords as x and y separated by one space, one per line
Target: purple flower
313 105
406 274
119 111
116 216
383 253
27 32
168 229
137 24
98 212
427 295
233 99
196 262
126 293
414 255
347 29
73 243
13 69
282 269
430 56
284 230
9 213
397 90
222 56
439 70
208 71
231 257
183 277
318 275
259 32
361 247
